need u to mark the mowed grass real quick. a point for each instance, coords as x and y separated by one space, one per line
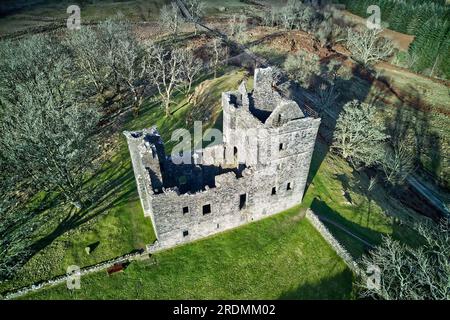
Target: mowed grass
280 257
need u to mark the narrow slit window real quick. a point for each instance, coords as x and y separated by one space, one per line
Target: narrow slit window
274 191
289 186
281 146
206 209
242 201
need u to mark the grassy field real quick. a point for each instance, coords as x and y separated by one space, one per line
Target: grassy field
281 257
46 12
51 11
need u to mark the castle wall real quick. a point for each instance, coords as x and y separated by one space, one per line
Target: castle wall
143 181
171 222
266 99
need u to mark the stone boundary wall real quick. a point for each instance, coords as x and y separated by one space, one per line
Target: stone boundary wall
332 241
83 271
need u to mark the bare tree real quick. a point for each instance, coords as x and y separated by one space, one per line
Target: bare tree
219 54
51 144
307 18
47 129
164 70
411 273
30 62
190 68
397 162
47 145
232 25
359 136
325 32
196 9
238 26
287 16
326 95
131 69
107 56
112 33
268 17
367 46
171 18
90 57
302 67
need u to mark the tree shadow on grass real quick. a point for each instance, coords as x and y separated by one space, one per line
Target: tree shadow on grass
108 195
337 287
357 86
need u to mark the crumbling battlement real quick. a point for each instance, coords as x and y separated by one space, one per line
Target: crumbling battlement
260 168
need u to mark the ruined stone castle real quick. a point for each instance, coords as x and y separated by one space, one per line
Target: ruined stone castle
259 168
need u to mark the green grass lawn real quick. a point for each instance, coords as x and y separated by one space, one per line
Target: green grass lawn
280 257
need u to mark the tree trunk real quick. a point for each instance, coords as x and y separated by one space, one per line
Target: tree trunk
167 107
135 107
434 65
